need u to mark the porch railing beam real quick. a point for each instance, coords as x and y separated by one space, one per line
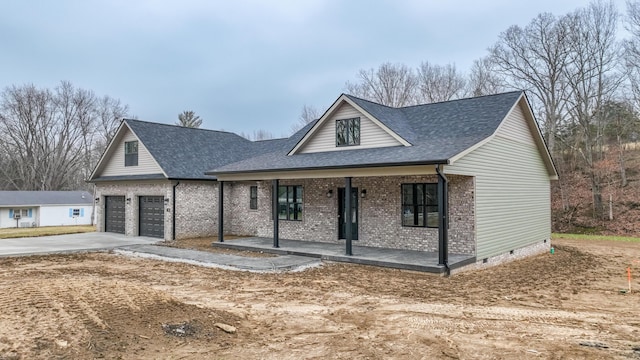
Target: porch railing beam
274 199
220 211
443 211
348 216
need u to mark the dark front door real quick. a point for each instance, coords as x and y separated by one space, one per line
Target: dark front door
152 216
342 214
114 214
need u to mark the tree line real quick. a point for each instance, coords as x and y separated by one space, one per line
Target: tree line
52 139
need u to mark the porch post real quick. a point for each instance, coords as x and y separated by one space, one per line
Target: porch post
274 199
348 216
220 211
443 211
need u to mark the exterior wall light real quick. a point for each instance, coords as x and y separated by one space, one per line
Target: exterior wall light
128 201
166 200
97 200
363 193
330 193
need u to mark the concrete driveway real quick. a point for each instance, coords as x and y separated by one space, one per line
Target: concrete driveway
69 243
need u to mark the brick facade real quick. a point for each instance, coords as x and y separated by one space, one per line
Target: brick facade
379 213
196 206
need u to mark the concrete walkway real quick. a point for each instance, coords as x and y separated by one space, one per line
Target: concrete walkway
225 261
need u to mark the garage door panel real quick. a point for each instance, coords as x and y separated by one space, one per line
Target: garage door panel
152 216
114 214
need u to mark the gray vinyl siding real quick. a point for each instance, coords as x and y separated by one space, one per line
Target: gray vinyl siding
115 165
371 135
513 205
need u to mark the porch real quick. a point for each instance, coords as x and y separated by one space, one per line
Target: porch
365 255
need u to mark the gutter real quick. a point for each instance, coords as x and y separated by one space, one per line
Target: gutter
173 217
443 221
333 167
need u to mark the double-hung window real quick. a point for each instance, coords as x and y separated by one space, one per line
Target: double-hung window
131 153
348 132
290 202
420 205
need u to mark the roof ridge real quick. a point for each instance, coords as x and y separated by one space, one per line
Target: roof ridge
179 126
437 102
462 99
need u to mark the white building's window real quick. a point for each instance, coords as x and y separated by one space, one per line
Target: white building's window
76 212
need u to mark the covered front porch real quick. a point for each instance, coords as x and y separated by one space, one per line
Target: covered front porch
424 261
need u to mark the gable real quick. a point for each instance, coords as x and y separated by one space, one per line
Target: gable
371 134
113 161
518 127
515 127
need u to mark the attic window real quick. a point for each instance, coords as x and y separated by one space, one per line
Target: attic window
131 153
348 132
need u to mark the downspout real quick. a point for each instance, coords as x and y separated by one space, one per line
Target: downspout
443 221
173 217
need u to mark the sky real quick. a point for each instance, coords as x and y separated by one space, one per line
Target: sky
242 65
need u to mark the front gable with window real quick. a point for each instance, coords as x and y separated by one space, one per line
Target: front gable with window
345 127
127 155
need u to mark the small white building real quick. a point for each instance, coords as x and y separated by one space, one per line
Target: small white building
45 208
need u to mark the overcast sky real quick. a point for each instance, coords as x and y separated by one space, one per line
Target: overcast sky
242 65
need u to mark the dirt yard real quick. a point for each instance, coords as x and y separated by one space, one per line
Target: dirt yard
562 306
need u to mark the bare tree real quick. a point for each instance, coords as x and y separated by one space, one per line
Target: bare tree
189 119
391 84
592 78
307 115
632 49
535 58
438 83
483 79
622 123
48 137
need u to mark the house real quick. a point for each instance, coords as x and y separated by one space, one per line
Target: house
469 176
45 208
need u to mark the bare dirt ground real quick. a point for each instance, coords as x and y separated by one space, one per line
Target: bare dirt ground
562 306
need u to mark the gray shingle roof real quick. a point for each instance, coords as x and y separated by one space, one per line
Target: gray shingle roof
186 153
437 131
34 198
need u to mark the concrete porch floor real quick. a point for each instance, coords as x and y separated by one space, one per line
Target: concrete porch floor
392 258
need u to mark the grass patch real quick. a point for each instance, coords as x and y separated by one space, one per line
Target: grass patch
44 231
595 237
